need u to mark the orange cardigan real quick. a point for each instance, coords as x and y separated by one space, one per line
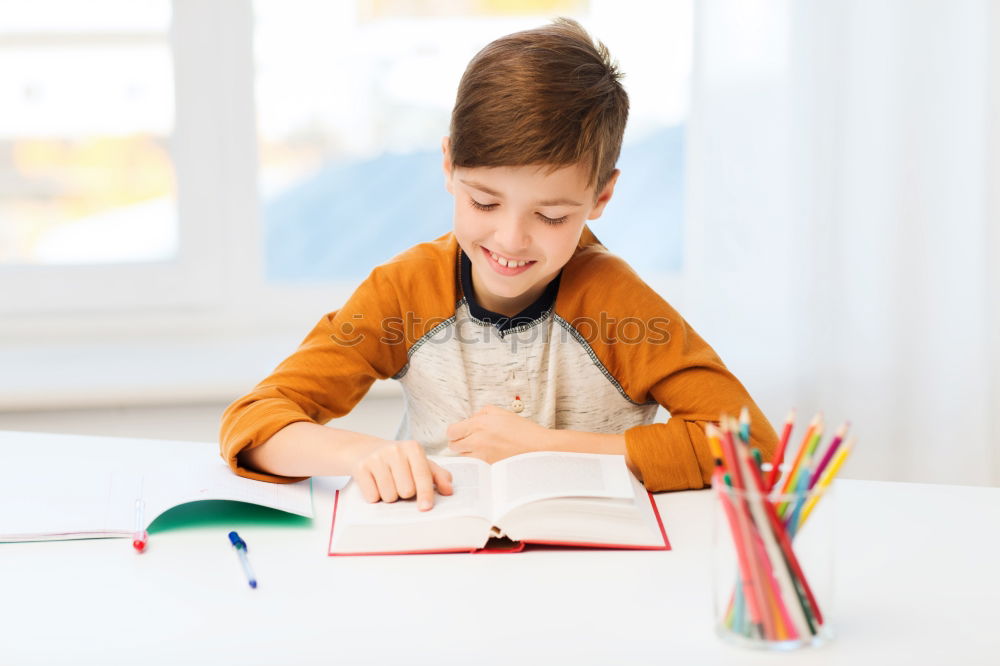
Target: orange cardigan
600 357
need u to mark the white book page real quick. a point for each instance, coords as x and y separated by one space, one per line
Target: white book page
587 520
545 475
471 497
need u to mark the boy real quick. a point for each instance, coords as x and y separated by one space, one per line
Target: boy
518 331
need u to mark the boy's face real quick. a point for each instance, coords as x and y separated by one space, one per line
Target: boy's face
508 215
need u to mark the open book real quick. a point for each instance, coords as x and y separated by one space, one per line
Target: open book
567 499
75 487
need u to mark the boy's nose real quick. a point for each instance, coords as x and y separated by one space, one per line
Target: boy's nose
512 237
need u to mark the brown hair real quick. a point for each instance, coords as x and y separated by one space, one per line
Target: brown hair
547 96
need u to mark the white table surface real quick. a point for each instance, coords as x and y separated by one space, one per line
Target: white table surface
916 576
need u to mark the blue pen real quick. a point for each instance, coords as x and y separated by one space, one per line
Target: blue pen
241 549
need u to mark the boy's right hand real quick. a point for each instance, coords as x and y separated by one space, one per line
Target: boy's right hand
401 470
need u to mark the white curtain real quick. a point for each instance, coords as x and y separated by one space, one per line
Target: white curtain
842 216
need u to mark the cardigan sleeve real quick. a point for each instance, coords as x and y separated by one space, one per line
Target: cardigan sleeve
670 365
324 378
696 389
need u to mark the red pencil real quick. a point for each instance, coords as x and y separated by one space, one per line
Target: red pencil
809 604
813 425
772 557
756 602
779 455
746 576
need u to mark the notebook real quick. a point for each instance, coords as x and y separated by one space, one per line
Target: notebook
74 487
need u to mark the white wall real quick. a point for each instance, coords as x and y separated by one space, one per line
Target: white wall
843 190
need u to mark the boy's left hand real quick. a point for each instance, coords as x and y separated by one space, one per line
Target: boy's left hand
493 433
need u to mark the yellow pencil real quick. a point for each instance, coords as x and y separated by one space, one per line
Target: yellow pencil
804 458
713 443
790 479
826 480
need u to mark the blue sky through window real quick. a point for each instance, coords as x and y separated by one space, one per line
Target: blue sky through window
350 216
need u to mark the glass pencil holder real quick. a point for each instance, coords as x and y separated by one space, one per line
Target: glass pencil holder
773 567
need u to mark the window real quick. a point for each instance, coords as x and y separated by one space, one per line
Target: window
103 197
222 154
93 185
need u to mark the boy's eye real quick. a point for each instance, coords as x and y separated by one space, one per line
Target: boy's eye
550 220
544 218
479 206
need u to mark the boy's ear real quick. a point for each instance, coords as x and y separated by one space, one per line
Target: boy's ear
604 196
446 163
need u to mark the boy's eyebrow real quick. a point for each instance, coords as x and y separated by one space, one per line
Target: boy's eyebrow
548 202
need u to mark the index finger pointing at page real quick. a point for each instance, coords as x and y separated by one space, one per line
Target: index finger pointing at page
423 480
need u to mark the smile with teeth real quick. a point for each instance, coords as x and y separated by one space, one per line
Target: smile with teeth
509 263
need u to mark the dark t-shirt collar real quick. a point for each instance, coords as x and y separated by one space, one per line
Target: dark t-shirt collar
537 310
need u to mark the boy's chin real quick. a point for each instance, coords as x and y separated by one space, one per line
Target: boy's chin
517 295
506 286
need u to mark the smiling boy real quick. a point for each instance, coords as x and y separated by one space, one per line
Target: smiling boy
516 332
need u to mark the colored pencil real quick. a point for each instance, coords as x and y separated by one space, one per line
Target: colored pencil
779 455
807 597
772 599
754 594
826 480
779 576
734 614
831 450
802 461
813 425
745 425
